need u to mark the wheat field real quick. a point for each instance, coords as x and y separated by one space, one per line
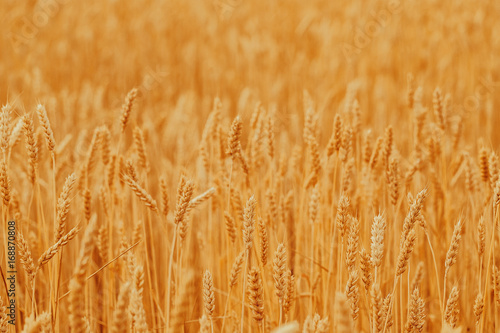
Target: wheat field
250 166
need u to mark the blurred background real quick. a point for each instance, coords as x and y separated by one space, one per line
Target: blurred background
83 57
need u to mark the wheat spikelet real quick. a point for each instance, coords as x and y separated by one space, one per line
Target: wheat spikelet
120 314
346 147
264 241
410 82
496 194
315 162
495 285
374 159
182 208
111 172
198 200
16 133
352 293
348 176
481 232
42 324
484 165
270 137
257 143
31 146
386 313
236 203
366 269
478 307
493 168
314 205
337 135
102 243
342 214
437 100
310 119
210 128
230 226
103 199
44 121
141 193
273 210
63 206
140 145
105 144
248 223
405 252
87 200
184 194
316 324
164 196
387 145
92 152
4 318
451 255
290 292
256 295
393 180
208 294
128 168
234 144
413 215
376 308
417 278
367 148
52 251
5 127
352 244
377 239
4 184
452 311
127 108
309 326
416 318
279 271
236 269
26 258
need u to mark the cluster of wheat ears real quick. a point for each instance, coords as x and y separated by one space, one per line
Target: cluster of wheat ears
172 168
316 238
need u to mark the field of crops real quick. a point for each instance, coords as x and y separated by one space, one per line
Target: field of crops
249 166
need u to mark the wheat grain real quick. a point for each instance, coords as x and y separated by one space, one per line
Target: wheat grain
44 121
451 255
236 269
279 271
120 314
452 311
127 108
31 146
141 193
248 223
208 294
255 294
